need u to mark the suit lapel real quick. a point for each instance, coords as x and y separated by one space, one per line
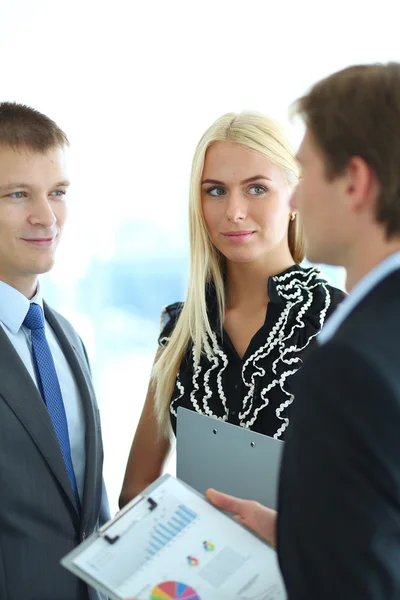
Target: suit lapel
91 499
21 394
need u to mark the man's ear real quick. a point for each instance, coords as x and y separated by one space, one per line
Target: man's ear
362 185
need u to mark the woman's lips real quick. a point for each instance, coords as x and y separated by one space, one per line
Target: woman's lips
238 236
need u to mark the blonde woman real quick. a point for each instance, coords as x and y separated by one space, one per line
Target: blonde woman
233 348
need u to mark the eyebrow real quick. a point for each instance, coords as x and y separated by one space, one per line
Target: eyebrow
249 180
13 186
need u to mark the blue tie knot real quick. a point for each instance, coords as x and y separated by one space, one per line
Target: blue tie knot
34 319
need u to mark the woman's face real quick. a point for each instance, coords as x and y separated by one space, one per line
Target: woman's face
245 202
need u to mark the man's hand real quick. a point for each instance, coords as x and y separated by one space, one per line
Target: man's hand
255 516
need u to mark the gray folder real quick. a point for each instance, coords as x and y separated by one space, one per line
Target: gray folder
229 458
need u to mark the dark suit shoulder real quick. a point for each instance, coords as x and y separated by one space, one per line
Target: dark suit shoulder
373 327
341 464
345 364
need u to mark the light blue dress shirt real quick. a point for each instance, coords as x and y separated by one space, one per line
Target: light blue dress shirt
362 289
14 307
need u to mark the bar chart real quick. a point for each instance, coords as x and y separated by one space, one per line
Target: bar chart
166 531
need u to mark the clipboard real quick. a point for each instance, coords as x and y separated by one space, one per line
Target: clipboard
171 543
69 560
213 453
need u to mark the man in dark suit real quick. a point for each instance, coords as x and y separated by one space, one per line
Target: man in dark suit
51 457
338 533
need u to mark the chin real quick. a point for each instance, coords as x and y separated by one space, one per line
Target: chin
43 267
241 258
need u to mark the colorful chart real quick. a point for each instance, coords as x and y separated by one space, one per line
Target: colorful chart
164 532
173 590
208 546
192 561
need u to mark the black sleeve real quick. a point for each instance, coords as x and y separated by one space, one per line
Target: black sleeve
169 317
339 509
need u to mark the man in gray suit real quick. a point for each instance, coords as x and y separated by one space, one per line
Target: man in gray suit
52 493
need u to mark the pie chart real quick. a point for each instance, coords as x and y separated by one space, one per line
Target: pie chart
173 590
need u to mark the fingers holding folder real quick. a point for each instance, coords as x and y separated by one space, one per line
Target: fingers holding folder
255 516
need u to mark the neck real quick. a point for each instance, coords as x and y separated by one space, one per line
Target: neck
366 257
24 285
247 283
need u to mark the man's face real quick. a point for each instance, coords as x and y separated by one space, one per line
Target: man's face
322 206
32 213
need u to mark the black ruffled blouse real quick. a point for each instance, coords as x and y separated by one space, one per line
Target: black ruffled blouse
255 391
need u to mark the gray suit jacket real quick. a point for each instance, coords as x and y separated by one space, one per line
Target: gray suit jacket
39 522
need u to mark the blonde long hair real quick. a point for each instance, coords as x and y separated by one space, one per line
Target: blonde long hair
257 132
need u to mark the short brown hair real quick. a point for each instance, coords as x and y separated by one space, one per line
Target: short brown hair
356 112
25 127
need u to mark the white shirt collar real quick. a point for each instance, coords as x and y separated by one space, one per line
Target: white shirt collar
14 306
367 283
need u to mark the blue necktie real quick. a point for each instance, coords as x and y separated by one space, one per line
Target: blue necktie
50 388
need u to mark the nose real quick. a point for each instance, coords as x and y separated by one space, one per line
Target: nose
237 207
42 213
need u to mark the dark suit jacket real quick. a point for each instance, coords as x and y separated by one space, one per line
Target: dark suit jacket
39 522
339 509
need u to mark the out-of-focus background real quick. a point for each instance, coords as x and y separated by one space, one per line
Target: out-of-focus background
134 85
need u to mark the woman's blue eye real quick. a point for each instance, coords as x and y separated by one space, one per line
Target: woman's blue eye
17 195
257 190
59 193
216 191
